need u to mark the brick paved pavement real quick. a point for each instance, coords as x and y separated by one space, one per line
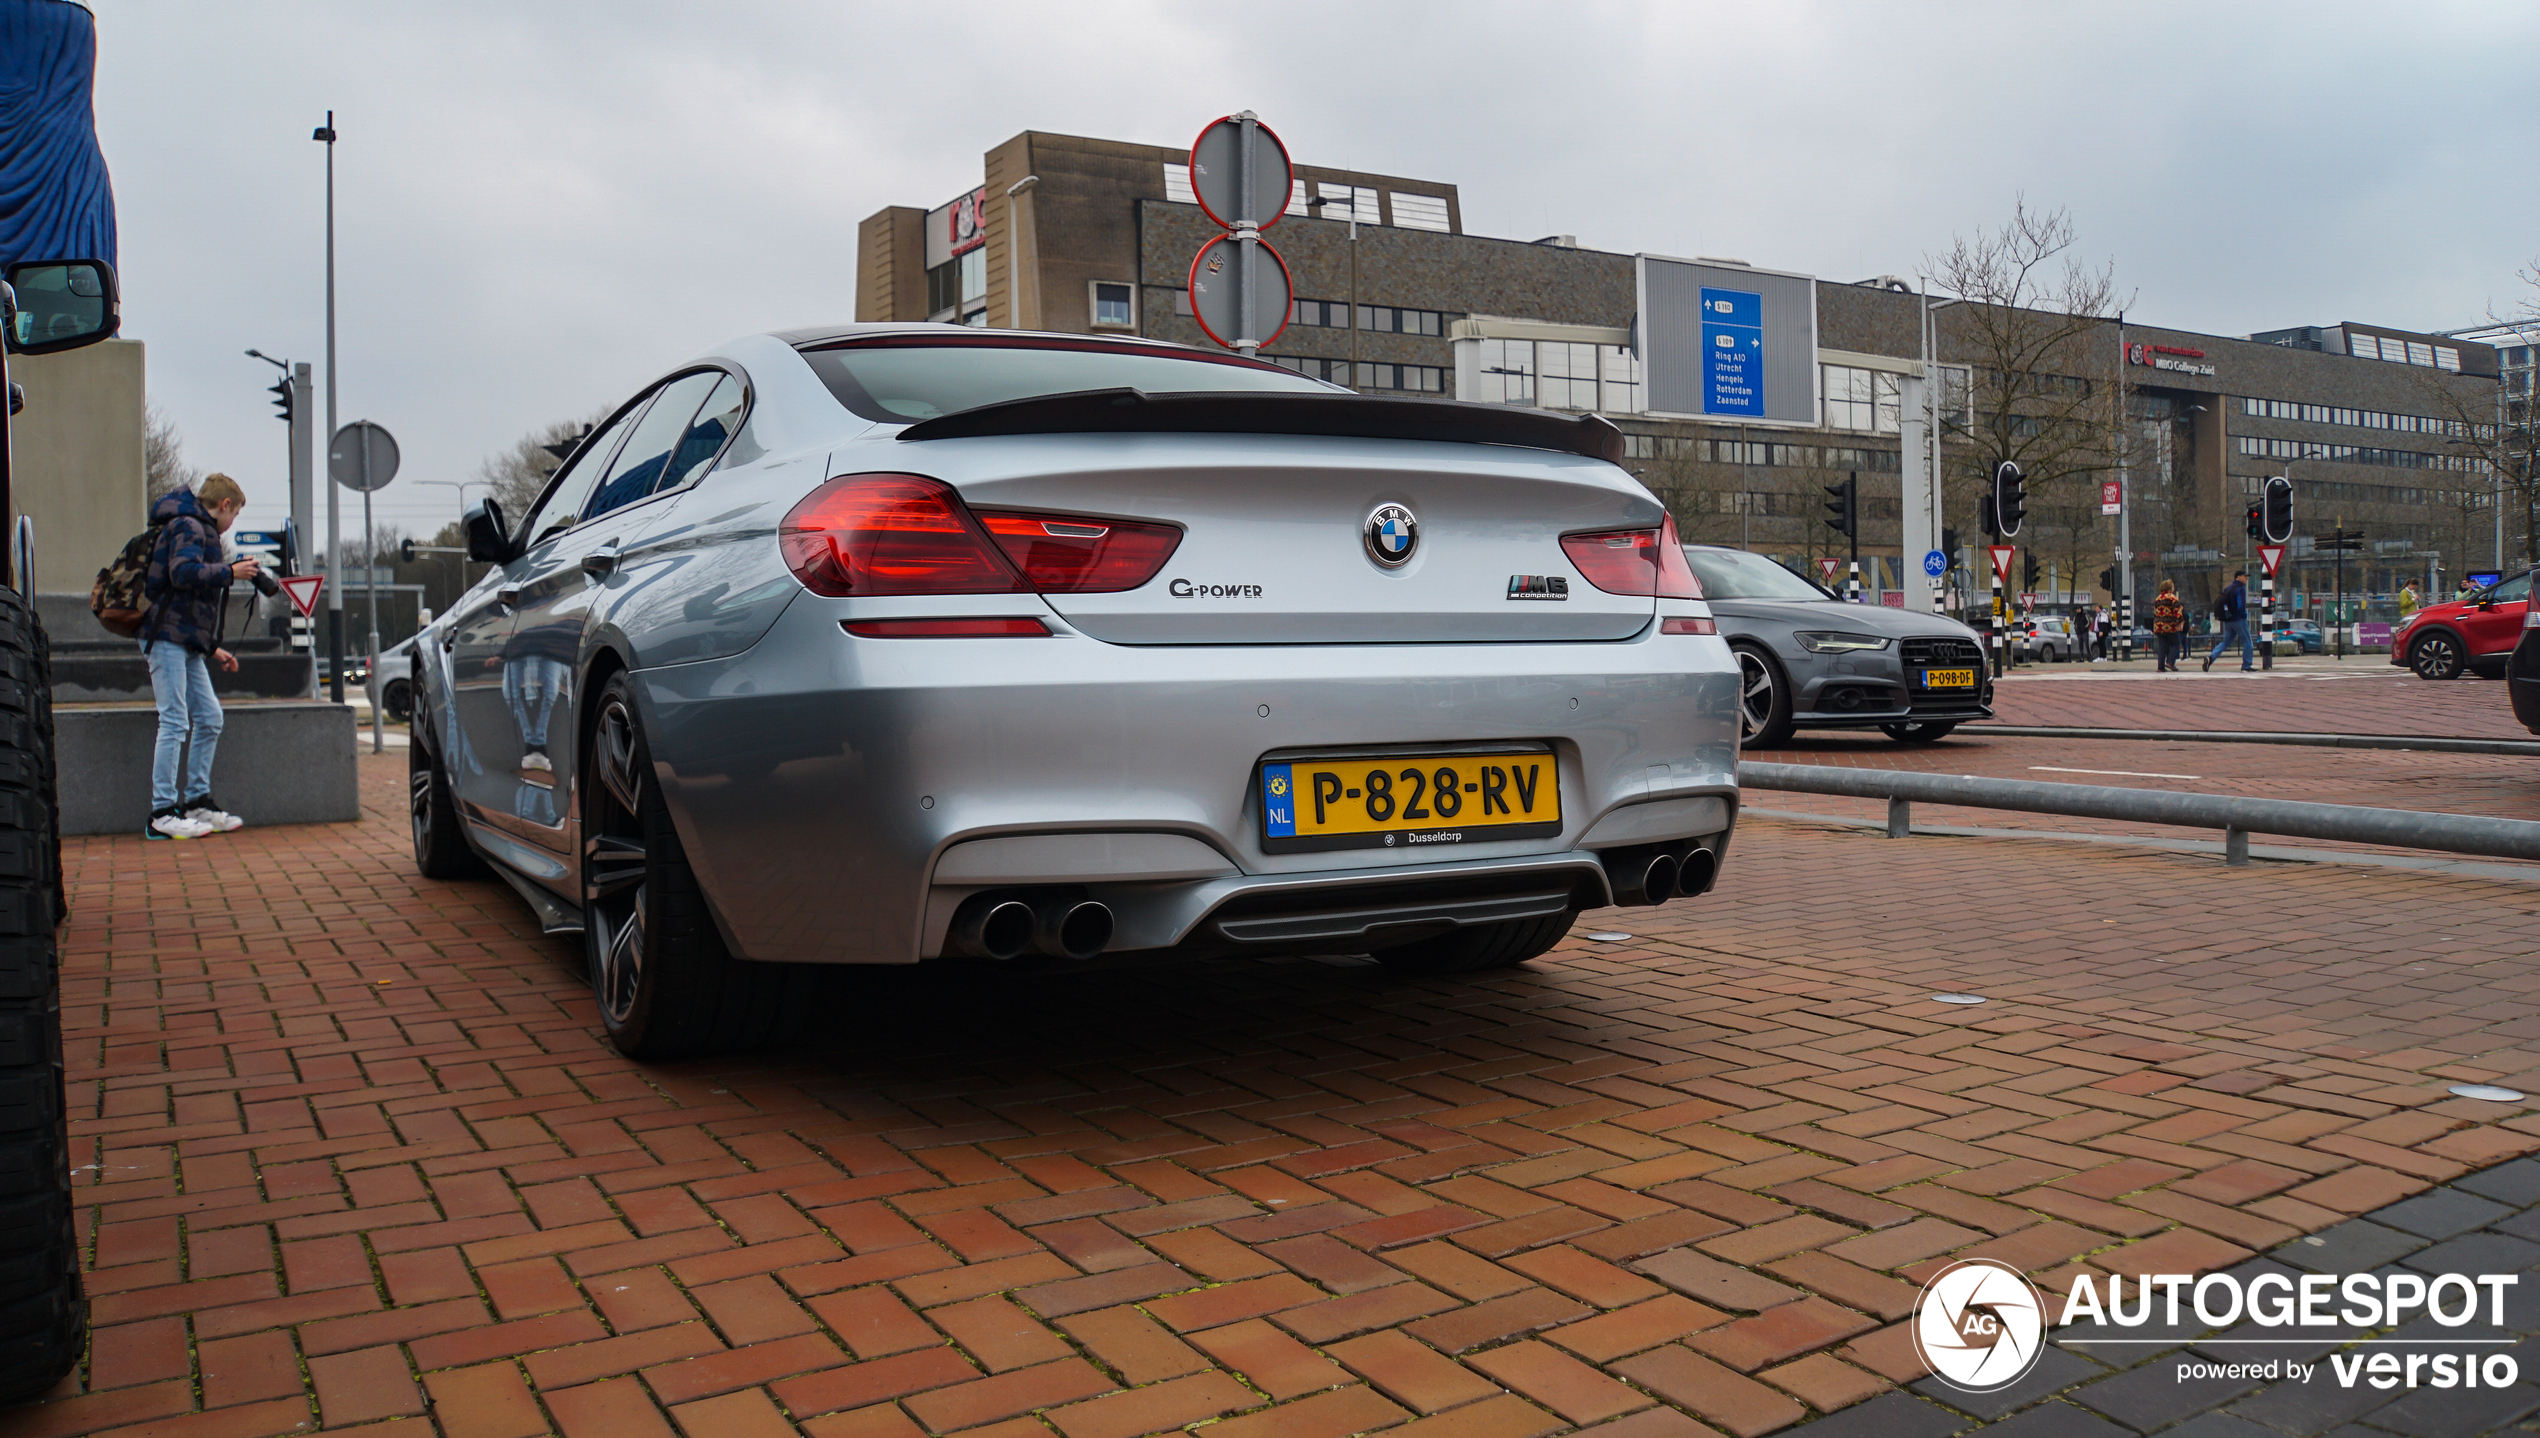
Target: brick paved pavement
2361 695
351 1152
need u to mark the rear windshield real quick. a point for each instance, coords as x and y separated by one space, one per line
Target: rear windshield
903 380
1736 574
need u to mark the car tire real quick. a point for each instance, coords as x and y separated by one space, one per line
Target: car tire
1478 947
666 985
441 847
2436 656
43 1309
1919 731
399 699
1764 699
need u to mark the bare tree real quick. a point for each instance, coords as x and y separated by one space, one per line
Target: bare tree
163 463
515 476
2034 324
2499 433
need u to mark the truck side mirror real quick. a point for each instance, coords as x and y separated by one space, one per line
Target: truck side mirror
489 539
61 305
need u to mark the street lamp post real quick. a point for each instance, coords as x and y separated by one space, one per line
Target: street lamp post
325 135
1318 202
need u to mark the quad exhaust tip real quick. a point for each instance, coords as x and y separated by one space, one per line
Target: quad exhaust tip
1008 926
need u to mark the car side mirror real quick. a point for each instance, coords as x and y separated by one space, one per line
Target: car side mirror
61 305
489 539
2485 603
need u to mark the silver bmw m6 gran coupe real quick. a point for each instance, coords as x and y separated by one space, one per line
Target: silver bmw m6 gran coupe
878 644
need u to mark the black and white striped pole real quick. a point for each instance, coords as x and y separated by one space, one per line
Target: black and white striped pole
2275 526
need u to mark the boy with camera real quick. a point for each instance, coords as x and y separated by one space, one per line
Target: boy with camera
188 588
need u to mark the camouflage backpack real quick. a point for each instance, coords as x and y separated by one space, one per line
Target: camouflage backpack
119 598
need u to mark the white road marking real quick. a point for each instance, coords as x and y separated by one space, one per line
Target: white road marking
2121 773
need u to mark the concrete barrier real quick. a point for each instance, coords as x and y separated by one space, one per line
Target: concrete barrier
278 764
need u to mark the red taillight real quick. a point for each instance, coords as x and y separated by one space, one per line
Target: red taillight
1061 555
1684 625
866 534
947 628
1634 561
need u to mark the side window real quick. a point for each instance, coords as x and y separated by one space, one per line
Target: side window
716 420
563 505
2513 590
639 465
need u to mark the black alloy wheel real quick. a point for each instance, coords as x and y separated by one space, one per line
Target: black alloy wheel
441 850
1764 701
2437 655
666 986
399 701
1919 731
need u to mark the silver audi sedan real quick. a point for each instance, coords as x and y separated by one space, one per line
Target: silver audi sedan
881 644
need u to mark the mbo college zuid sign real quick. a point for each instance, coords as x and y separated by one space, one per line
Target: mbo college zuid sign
1980 1324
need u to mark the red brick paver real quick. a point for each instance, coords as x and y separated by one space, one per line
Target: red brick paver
349 1148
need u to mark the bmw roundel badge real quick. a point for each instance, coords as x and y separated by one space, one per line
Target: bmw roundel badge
1392 533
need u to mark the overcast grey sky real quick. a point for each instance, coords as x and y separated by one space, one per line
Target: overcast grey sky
543 204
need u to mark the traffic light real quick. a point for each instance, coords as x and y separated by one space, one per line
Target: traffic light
1984 517
1949 543
2010 499
281 391
1843 507
2276 523
2108 579
405 551
2254 531
2028 571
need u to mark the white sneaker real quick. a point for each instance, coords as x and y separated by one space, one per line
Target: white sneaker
176 826
215 820
538 760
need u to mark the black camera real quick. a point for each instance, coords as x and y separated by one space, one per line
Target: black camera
264 582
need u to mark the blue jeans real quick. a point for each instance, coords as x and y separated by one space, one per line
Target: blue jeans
181 681
2235 629
534 685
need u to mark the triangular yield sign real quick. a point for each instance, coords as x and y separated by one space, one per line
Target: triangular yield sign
2271 555
2001 556
1828 564
303 589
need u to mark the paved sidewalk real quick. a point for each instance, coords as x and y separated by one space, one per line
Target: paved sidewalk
351 1152
2362 694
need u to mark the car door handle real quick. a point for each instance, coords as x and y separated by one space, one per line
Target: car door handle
599 563
508 597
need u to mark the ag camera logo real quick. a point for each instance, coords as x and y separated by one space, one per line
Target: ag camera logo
1979 1325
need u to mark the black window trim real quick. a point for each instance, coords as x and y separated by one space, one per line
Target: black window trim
632 412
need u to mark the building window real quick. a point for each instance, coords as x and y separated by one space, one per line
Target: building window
1558 374
957 289
1114 305
1419 212
1384 319
1349 202
1407 378
1177 185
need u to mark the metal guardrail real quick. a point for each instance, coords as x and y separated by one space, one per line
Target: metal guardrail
2237 817
2421 743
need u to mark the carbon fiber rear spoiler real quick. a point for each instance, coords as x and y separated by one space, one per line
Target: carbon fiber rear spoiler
1130 411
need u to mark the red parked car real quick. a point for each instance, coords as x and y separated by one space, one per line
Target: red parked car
2478 633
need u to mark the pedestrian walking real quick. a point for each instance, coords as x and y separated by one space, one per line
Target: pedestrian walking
2232 610
188 590
2169 627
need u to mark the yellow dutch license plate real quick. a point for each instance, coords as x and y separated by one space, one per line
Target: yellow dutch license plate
1399 800
1949 679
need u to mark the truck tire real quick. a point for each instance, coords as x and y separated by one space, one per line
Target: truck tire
43 1314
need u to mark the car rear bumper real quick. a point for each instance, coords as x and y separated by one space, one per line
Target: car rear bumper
820 781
